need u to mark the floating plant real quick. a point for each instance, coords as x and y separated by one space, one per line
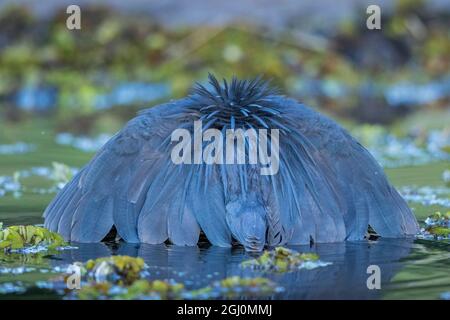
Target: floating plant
234 287
115 269
143 289
124 277
140 289
101 278
157 288
437 226
29 239
284 260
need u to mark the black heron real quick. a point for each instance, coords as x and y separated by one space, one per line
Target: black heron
327 188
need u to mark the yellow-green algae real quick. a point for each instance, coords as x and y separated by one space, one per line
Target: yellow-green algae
119 269
234 287
438 225
231 287
440 231
280 260
19 237
142 288
121 277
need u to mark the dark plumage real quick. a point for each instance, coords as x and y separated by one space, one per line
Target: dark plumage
328 187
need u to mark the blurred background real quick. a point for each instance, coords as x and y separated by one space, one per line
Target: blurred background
63 92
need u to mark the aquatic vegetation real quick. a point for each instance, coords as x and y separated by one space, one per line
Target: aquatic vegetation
101 278
124 277
94 291
234 287
29 239
162 289
426 195
17 148
140 289
284 260
332 73
437 226
115 269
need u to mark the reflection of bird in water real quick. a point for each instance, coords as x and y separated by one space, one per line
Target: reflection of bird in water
328 187
347 276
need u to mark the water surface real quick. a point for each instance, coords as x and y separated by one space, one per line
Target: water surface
409 269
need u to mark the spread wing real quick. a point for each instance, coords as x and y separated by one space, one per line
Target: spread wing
133 185
331 180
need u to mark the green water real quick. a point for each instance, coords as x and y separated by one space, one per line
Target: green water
410 269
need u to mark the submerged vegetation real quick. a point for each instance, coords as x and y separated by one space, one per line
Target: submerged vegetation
284 260
115 269
235 287
437 226
124 277
121 277
229 288
140 289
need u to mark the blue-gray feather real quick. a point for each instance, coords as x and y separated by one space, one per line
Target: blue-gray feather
328 188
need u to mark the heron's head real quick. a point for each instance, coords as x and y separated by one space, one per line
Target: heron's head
246 220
